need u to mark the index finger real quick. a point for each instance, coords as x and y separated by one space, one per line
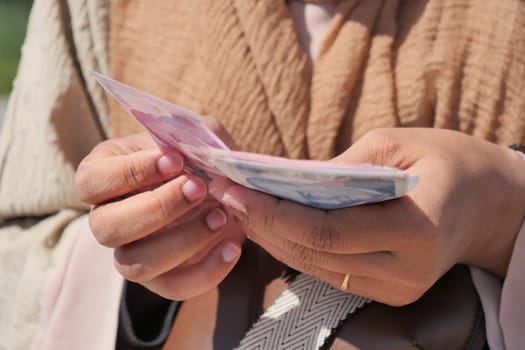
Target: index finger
105 178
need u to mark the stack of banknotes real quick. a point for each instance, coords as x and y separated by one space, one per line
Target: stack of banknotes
318 184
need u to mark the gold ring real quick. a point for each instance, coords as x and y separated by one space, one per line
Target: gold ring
344 285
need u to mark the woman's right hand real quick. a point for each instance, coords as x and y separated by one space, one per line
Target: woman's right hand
168 234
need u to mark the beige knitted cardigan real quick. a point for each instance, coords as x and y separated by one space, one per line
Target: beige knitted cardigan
450 63
55 115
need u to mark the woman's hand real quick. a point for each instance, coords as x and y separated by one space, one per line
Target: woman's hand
167 233
467 208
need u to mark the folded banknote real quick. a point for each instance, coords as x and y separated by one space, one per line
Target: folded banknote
319 184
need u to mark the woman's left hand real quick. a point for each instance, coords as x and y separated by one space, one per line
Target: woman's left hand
467 208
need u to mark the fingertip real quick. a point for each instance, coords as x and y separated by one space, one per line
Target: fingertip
230 251
188 281
218 186
216 219
229 194
170 164
194 189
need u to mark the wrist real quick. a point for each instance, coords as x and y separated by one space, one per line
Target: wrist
507 215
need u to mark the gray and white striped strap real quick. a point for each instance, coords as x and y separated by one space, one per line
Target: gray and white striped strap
302 317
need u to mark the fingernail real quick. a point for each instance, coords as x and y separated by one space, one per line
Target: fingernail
216 192
216 219
233 203
193 190
170 164
230 252
218 186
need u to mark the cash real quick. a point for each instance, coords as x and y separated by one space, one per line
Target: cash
318 184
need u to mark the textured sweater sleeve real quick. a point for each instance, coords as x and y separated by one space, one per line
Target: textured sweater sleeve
52 119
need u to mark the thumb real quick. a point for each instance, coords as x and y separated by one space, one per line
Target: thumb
385 147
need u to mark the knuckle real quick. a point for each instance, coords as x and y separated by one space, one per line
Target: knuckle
171 286
103 146
105 233
247 229
99 149
384 144
324 237
135 173
300 253
173 292
306 259
163 207
269 219
130 265
269 223
83 183
386 135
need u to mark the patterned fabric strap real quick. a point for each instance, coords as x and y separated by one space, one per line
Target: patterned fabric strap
303 317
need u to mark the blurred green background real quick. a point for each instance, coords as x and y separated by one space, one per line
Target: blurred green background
13 22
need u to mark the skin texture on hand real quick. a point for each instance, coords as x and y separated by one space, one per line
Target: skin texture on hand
167 233
467 208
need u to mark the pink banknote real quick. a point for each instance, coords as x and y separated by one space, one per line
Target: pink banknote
318 184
